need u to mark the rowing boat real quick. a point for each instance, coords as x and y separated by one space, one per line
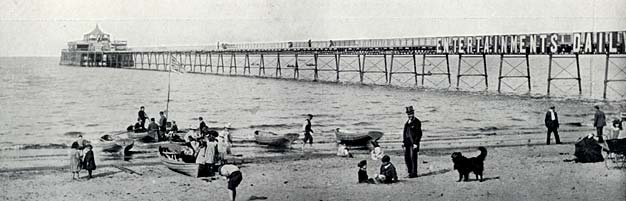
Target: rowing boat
274 139
357 138
109 144
169 156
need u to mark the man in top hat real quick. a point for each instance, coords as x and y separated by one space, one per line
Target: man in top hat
412 135
552 123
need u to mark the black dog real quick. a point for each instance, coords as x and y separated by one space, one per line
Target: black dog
466 165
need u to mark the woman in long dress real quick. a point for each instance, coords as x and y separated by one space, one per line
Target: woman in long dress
75 162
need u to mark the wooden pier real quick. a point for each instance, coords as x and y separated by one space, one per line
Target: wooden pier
416 62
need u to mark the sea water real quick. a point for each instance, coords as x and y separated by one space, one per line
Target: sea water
44 106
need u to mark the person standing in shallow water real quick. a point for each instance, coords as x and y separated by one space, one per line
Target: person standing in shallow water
307 131
552 123
599 121
412 135
142 117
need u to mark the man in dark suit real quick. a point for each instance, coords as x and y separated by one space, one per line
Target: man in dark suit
142 117
552 123
412 135
599 121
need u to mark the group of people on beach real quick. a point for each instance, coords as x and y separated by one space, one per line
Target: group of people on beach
81 157
599 122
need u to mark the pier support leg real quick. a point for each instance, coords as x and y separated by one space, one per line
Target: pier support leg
618 75
513 71
554 59
472 71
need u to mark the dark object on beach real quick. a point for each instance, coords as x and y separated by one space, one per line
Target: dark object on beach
466 165
357 139
577 124
616 152
110 144
254 197
169 155
273 139
588 151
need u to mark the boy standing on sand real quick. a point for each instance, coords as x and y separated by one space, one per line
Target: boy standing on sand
307 131
234 177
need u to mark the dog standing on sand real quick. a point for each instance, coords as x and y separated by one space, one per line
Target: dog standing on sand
466 165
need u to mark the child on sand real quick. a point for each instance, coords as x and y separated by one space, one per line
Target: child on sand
377 152
363 172
387 172
75 161
616 128
234 177
342 150
89 162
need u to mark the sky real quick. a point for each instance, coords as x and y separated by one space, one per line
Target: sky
43 27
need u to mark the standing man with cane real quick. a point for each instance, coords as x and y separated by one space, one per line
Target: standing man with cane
412 135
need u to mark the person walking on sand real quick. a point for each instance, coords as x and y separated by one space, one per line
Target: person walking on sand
89 162
307 131
552 123
412 135
142 117
234 177
599 121
75 163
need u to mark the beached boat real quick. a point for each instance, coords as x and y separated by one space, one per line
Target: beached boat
273 139
109 144
141 136
169 156
357 138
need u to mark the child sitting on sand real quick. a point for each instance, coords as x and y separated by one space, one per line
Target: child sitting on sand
89 163
377 152
363 172
387 172
342 150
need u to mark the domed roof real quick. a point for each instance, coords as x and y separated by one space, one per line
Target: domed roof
96 31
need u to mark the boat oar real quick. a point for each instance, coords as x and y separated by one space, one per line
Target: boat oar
129 171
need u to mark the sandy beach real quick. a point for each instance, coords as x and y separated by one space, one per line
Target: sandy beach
535 172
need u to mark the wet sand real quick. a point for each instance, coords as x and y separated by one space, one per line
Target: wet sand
535 172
